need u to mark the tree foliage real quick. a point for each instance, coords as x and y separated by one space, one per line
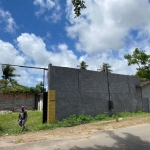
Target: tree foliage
104 67
6 87
140 58
8 72
40 87
19 89
83 65
14 82
78 5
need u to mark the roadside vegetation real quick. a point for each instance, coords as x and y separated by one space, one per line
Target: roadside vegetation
9 122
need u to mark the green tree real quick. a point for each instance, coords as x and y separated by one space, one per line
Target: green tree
78 5
144 75
40 87
8 72
142 60
83 65
14 82
103 68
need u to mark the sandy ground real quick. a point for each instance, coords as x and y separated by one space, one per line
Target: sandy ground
70 132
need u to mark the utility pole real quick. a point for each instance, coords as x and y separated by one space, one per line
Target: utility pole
110 103
106 70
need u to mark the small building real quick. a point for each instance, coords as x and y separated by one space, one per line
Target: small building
144 92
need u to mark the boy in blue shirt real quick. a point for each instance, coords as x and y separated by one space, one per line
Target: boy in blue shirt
22 118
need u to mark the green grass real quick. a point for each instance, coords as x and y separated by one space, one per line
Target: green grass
9 122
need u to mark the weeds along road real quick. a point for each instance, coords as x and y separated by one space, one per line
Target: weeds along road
128 138
130 134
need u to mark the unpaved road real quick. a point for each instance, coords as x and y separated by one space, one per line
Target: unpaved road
61 137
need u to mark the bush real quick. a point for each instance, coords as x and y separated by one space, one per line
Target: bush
20 89
101 117
75 120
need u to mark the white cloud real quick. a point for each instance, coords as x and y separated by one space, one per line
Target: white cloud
47 5
10 25
26 78
44 5
48 35
9 54
55 17
32 51
35 48
105 25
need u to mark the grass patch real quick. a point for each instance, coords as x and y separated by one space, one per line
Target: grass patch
128 114
9 122
74 120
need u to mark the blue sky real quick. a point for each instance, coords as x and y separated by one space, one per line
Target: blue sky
39 32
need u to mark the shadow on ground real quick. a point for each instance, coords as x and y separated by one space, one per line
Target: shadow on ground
130 142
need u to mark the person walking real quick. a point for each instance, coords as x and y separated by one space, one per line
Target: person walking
22 118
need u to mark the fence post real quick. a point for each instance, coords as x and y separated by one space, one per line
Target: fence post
51 106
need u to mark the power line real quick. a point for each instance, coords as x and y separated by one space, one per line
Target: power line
26 66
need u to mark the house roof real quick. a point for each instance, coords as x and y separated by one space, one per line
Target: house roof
143 83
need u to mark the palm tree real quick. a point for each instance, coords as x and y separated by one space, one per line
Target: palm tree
103 68
8 72
83 65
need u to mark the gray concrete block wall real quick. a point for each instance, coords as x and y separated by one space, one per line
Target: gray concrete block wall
93 103
93 81
119 92
61 76
67 103
86 92
135 100
13 102
145 104
146 91
6 101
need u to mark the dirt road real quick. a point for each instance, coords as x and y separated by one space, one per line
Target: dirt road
70 132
